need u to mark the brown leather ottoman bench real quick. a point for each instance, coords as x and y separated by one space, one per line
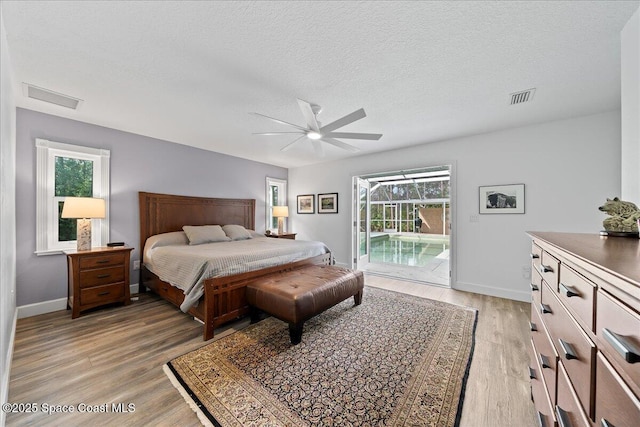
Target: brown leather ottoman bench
297 295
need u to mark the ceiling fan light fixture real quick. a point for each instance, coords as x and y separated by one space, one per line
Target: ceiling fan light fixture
314 135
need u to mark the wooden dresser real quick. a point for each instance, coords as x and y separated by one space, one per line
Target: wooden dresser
585 330
97 277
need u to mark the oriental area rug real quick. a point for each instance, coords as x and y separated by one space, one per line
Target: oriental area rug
394 360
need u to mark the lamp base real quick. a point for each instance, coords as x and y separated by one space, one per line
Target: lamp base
280 225
84 234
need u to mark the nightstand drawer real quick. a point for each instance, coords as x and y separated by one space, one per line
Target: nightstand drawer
101 276
102 294
106 260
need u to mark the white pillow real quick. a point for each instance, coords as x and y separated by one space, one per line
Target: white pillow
167 239
236 232
199 234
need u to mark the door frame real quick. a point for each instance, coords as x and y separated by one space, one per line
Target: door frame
453 197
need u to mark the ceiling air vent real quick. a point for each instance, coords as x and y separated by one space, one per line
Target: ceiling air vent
522 96
50 96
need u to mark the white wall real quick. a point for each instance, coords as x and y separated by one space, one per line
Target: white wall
630 99
569 168
7 215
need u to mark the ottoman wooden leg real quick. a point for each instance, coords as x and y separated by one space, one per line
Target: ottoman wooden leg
295 332
357 298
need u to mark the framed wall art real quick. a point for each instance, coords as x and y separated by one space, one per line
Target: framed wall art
502 199
306 204
328 203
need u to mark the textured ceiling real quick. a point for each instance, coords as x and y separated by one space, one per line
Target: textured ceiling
190 72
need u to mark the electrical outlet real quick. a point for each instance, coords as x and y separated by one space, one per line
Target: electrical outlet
136 264
474 218
526 272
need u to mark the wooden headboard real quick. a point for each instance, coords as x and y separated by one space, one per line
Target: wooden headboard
163 213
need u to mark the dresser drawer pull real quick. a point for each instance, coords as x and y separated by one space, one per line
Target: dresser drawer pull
621 344
101 294
605 423
102 261
541 420
563 417
545 269
534 256
545 309
569 291
104 276
534 288
532 373
533 327
544 361
567 349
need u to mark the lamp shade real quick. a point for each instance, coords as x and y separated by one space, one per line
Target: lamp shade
83 207
281 211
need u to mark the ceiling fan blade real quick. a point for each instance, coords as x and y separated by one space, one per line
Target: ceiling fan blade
289 145
349 118
340 144
308 114
276 133
317 147
280 121
351 135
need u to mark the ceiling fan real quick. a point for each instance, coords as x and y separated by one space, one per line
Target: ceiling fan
317 133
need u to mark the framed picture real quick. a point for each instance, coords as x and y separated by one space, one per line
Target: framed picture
502 199
305 204
328 203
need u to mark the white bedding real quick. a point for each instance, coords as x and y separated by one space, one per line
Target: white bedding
187 266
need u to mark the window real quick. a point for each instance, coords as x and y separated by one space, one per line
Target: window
276 196
68 170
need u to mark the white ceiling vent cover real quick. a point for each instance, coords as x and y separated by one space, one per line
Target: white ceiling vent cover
50 96
522 96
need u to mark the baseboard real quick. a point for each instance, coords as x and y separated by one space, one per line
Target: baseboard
6 373
54 305
511 294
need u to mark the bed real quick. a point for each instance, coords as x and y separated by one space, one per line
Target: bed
219 295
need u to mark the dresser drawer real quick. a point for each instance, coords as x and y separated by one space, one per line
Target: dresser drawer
103 260
544 409
545 353
536 287
574 348
578 294
101 276
618 332
616 404
536 256
569 412
102 294
549 267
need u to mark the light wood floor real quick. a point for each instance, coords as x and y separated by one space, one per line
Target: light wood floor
115 355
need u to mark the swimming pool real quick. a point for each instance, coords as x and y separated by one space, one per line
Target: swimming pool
408 249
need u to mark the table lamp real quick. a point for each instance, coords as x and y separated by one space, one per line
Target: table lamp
84 209
281 212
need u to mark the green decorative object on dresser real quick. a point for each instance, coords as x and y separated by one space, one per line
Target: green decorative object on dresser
623 218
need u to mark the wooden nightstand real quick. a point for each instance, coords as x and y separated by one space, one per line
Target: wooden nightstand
291 236
98 277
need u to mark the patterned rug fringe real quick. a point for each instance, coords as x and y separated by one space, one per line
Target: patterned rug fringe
188 397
